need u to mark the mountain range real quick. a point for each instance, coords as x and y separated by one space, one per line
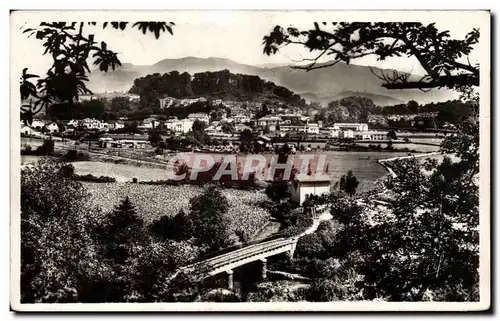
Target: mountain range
320 85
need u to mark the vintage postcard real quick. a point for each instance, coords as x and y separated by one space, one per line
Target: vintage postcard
250 160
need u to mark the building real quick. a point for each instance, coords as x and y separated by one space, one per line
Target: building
72 123
90 123
189 101
133 97
179 126
213 130
26 130
268 120
240 118
117 125
372 135
312 128
37 123
303 186
203 117
52 127
241 127
87 97
351 126
346 134
167 102
149 123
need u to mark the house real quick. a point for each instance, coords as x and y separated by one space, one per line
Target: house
133 97
73 123
268 121
87 97
167 102
304 185
52 127
90 123
372 135
351 126
240 118
203 117
312 128
117 125
37 123
26 130
149 123
346 134
241 127
179 126
213 130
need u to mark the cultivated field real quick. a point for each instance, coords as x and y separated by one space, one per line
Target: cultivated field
154 201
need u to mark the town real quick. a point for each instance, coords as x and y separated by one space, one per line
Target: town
207 180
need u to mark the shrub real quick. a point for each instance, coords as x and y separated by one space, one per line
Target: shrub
94 179
71 155
68 170
134 180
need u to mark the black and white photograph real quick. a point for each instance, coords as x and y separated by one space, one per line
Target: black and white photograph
250 160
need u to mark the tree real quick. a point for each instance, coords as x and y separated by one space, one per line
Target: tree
208 212
392 135
198 125
437 53
412 106
177 228
155 138
93 108
120 105
349 183
122 232
57 249
278 190
71 48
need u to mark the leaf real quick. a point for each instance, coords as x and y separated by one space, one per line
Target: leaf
104 25
123 25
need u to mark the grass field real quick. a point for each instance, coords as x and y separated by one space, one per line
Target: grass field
154 201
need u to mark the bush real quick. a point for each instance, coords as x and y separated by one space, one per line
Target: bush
71 155
68 170
134 180
94 179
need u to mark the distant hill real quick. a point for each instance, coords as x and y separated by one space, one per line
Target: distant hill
320 83
379 100
218 85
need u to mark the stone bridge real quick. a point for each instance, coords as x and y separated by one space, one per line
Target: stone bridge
225 263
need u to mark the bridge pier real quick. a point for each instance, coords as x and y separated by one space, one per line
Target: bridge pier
230 283
263 268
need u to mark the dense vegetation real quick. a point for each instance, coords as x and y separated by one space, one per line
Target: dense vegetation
221 84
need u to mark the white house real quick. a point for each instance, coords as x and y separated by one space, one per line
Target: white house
372 135
312 128
167 102
52 127
303 185
117 125
203 117
37 123
179 126
346 134
73 123
91 123
351 126
240 119
149 123
26 130
268 121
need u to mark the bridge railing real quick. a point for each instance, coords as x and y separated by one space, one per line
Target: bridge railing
242 253
246 252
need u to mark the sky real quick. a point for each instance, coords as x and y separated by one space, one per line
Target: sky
232 35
